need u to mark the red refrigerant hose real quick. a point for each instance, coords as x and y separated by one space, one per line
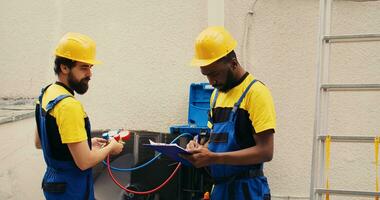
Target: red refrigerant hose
138 192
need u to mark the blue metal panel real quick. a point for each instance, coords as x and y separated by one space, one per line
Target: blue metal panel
199 105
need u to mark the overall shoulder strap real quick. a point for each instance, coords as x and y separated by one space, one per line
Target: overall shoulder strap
42 93
237 104
212 105
215 97
55 101
51 103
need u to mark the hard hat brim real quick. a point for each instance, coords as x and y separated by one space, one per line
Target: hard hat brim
202 62
92 62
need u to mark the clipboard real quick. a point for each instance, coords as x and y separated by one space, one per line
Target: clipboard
170 150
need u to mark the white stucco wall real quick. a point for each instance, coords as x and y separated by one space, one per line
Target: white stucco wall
144 81
282 52
145 46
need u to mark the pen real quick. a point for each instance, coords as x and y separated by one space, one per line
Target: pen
196 138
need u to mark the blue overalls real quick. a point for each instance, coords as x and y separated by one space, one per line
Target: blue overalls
63 180
233 182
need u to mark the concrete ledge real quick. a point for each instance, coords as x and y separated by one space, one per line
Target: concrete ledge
15 109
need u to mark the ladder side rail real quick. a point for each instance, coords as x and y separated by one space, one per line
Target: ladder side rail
317 151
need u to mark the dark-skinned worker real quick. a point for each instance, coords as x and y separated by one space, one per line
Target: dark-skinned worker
242 121
63 128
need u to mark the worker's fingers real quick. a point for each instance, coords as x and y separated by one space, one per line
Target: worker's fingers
111 141
192 145
195 159
195 150
187 157
116 147
100 140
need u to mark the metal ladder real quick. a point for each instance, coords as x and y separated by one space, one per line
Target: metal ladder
317 189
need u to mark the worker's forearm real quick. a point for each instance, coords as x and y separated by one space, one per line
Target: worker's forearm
247 156
96 156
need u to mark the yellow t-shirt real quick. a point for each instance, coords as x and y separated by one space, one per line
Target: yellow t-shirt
69 114
255 114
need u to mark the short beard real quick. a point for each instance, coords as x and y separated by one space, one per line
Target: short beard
229 81
80 87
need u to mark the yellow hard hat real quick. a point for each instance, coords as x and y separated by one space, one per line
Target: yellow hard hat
212 44
78 47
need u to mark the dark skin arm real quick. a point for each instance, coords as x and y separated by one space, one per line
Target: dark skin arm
262 152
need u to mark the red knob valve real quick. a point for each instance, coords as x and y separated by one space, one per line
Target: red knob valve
125 135
117 137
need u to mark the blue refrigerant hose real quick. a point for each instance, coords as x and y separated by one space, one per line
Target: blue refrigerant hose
150 161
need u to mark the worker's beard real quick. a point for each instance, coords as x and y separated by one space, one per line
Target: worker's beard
79 87
230 80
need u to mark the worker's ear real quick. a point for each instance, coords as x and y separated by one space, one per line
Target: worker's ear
234 63
64 69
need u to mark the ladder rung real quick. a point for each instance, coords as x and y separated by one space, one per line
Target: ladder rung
361 0
336 87
337 138
348 192
351 38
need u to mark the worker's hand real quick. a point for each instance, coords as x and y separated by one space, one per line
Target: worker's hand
192 145
115 146
200 157
97 143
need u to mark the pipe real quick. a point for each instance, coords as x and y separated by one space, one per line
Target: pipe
139 192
